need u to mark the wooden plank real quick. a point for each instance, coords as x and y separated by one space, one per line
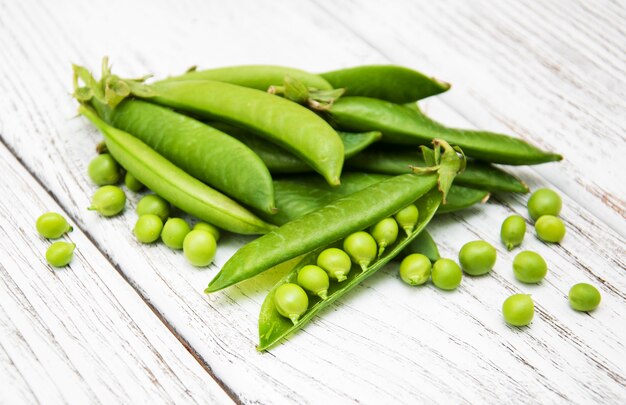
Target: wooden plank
79 334
386 342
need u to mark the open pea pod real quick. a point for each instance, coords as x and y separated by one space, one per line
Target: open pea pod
273 327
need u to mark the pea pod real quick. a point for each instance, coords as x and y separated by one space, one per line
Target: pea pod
408 126
299 195
292 126
424 244
259 77
202 151
279 160
390 159
335 221
386 82
273 327
175 185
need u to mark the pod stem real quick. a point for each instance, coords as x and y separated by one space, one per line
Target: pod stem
315 99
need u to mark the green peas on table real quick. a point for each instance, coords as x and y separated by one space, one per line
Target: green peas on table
315 280
407 218
60 254
518 310
132 183
52 225
291 301
584 297
336 262
550 229
174 232
446 274
153 204
415 269
529 267
385 233
512 231
477 257
148 228
199 248
104 170
544 202
203 226
361 247
108 201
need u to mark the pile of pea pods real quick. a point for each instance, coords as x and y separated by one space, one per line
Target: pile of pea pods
340 173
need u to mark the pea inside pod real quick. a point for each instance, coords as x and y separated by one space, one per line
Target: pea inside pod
385 233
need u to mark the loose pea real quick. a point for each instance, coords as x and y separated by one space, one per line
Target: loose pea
60 254
153 204
361 247
174 232
446 274
529 267
550 229
132 183
518 310
544 202
208 228
108 201
52 225
148 228
199 248
291 301
315 280
104 170
584 297
477 257
385 233
407 218
415 269
512 231
336 262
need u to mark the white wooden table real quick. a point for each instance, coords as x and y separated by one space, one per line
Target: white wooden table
129 323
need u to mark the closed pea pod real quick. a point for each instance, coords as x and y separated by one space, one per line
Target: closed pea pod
180 189
407 126
512 231
336 221
315 280
385 233
52 225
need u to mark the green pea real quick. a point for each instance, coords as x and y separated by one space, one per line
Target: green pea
415 269
529 267
512 231
104 170
477 257
291 301
361 247
407 218
52 225
108 201
315 280
550 229
60 254
209 228
148 228
199 248
336 262
153 204
446 274
174 232
385 233
584 297
544 202
132 183
518 310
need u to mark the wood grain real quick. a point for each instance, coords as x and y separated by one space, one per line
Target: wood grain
79 334
386 342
